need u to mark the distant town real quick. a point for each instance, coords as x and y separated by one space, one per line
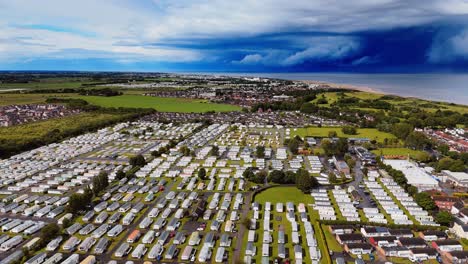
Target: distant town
172 168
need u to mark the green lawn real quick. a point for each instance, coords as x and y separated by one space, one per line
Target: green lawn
370 133
159 103
283 195
396 152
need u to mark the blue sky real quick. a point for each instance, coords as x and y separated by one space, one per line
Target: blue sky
241 35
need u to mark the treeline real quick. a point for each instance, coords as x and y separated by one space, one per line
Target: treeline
81 91
302 178
100 92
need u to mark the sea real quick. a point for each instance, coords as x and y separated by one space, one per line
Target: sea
452 88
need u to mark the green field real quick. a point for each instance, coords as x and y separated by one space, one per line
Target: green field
17 98
159 103
282 195
370 133
430 106
396 152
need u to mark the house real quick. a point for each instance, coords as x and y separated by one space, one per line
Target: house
374 231
401 233
387 241
341 229
457 257
358 248
411 243
456 178
447 245
432 235
398 251
460 230
445 203
349 238
423 253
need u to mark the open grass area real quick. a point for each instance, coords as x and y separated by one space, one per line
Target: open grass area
17 98
282 195
397 152
160 104
430 106
370 133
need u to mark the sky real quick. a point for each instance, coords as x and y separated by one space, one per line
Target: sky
235 36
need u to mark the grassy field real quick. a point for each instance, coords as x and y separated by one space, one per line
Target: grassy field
159 103
396 152
282 195
371 133
430 106
13 98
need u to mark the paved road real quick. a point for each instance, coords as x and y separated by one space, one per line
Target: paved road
242 228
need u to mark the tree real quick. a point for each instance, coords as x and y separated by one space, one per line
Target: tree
424 200
443 149
184 150
444 218
277 176
202 174
417 140
304 181
423 157
349 130
100 183
246 222
402 130
332 177
293 145
78 202
120 174
214 151
412 190
49 232
332 134
260 177
464 157
137 160
260 151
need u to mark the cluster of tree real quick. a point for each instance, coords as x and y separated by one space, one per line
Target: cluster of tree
350 161
293 144
185 150
450 164
405 131
281 177
444 218
202 174
100 183
424 200
305 182
100 92
48 232
137 160
214 151
349 130
258 177
79 201
165 149
338 147
260 152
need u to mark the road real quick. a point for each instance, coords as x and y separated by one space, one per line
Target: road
242 228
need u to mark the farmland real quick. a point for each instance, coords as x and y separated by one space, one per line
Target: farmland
370 133
397 152
160 104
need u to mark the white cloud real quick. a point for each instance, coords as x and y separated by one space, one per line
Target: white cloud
111 22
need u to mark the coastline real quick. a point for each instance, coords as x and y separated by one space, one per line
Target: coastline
348 87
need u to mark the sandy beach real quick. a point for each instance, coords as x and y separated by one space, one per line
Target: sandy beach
347 86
